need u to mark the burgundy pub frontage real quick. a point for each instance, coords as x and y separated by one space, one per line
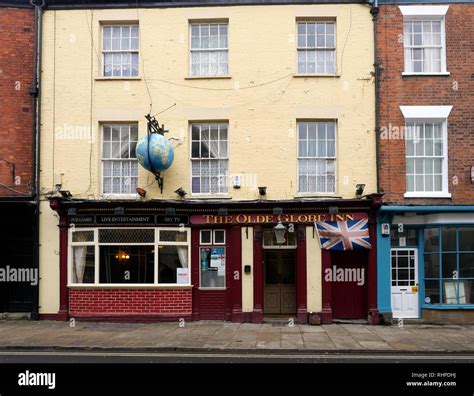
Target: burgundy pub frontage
174 260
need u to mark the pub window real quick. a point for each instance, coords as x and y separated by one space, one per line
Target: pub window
130 256
83 257
269 240
212 257
449 265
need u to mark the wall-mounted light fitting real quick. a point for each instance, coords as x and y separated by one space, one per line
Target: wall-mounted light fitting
360 189
262 190
141 192
181 192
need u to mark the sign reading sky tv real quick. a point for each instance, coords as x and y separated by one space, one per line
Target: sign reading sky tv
116 220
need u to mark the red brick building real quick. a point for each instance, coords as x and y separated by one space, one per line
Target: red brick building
426 159
17 158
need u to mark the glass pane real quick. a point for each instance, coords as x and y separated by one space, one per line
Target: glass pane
173 236
134 235
206 236
219 236
466 239
83 264
449 265
173 265
466 265
431 239
431 266
83 236
448 237
126 264
212 267
432 291
451 291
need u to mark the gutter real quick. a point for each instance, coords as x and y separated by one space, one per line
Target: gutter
375 12
36 103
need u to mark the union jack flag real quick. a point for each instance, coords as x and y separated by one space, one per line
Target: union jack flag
344 235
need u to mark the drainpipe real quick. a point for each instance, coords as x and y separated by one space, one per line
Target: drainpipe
35 92
375 12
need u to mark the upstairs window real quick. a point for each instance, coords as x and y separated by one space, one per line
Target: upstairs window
120 44
209 49
316 47
119 159
424 39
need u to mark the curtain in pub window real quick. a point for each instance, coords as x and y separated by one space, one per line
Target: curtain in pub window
183 256
79 263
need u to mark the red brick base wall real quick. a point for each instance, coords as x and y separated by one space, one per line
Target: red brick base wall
123 304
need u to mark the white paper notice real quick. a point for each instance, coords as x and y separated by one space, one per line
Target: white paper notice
221 268
182 276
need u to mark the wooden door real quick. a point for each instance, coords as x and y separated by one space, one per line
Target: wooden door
280 290
349 294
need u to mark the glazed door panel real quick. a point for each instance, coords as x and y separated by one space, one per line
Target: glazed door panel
280 291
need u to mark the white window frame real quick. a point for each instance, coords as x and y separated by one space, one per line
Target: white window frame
156 243
219 49
210 246
115 195
299 193
209 194
315 20
426 13
431 114
103 51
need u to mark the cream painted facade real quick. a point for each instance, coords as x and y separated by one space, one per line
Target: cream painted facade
262 99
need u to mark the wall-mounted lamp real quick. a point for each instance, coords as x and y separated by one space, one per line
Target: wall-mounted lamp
170 212
280 231
181 192
262 190
222 211
141 192
71 211
360 189
333 210
277 211
65 194
119 210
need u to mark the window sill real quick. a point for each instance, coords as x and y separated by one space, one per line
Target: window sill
212 288
316 195
426 74
213 196
128 286
448 306
316 75
120 196
102 78
225 77
426 195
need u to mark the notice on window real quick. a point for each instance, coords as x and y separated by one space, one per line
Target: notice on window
182 276
217 257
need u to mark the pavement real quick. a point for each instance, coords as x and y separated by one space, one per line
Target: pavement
209 336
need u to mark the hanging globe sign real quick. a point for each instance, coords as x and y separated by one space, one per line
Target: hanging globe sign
154 152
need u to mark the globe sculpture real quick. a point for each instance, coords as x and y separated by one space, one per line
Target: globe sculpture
160 153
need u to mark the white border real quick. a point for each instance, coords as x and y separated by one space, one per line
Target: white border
424 10
431 112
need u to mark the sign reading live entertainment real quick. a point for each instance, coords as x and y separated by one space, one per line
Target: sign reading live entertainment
272 219
129 219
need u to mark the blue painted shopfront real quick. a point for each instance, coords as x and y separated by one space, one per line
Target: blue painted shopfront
448 262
